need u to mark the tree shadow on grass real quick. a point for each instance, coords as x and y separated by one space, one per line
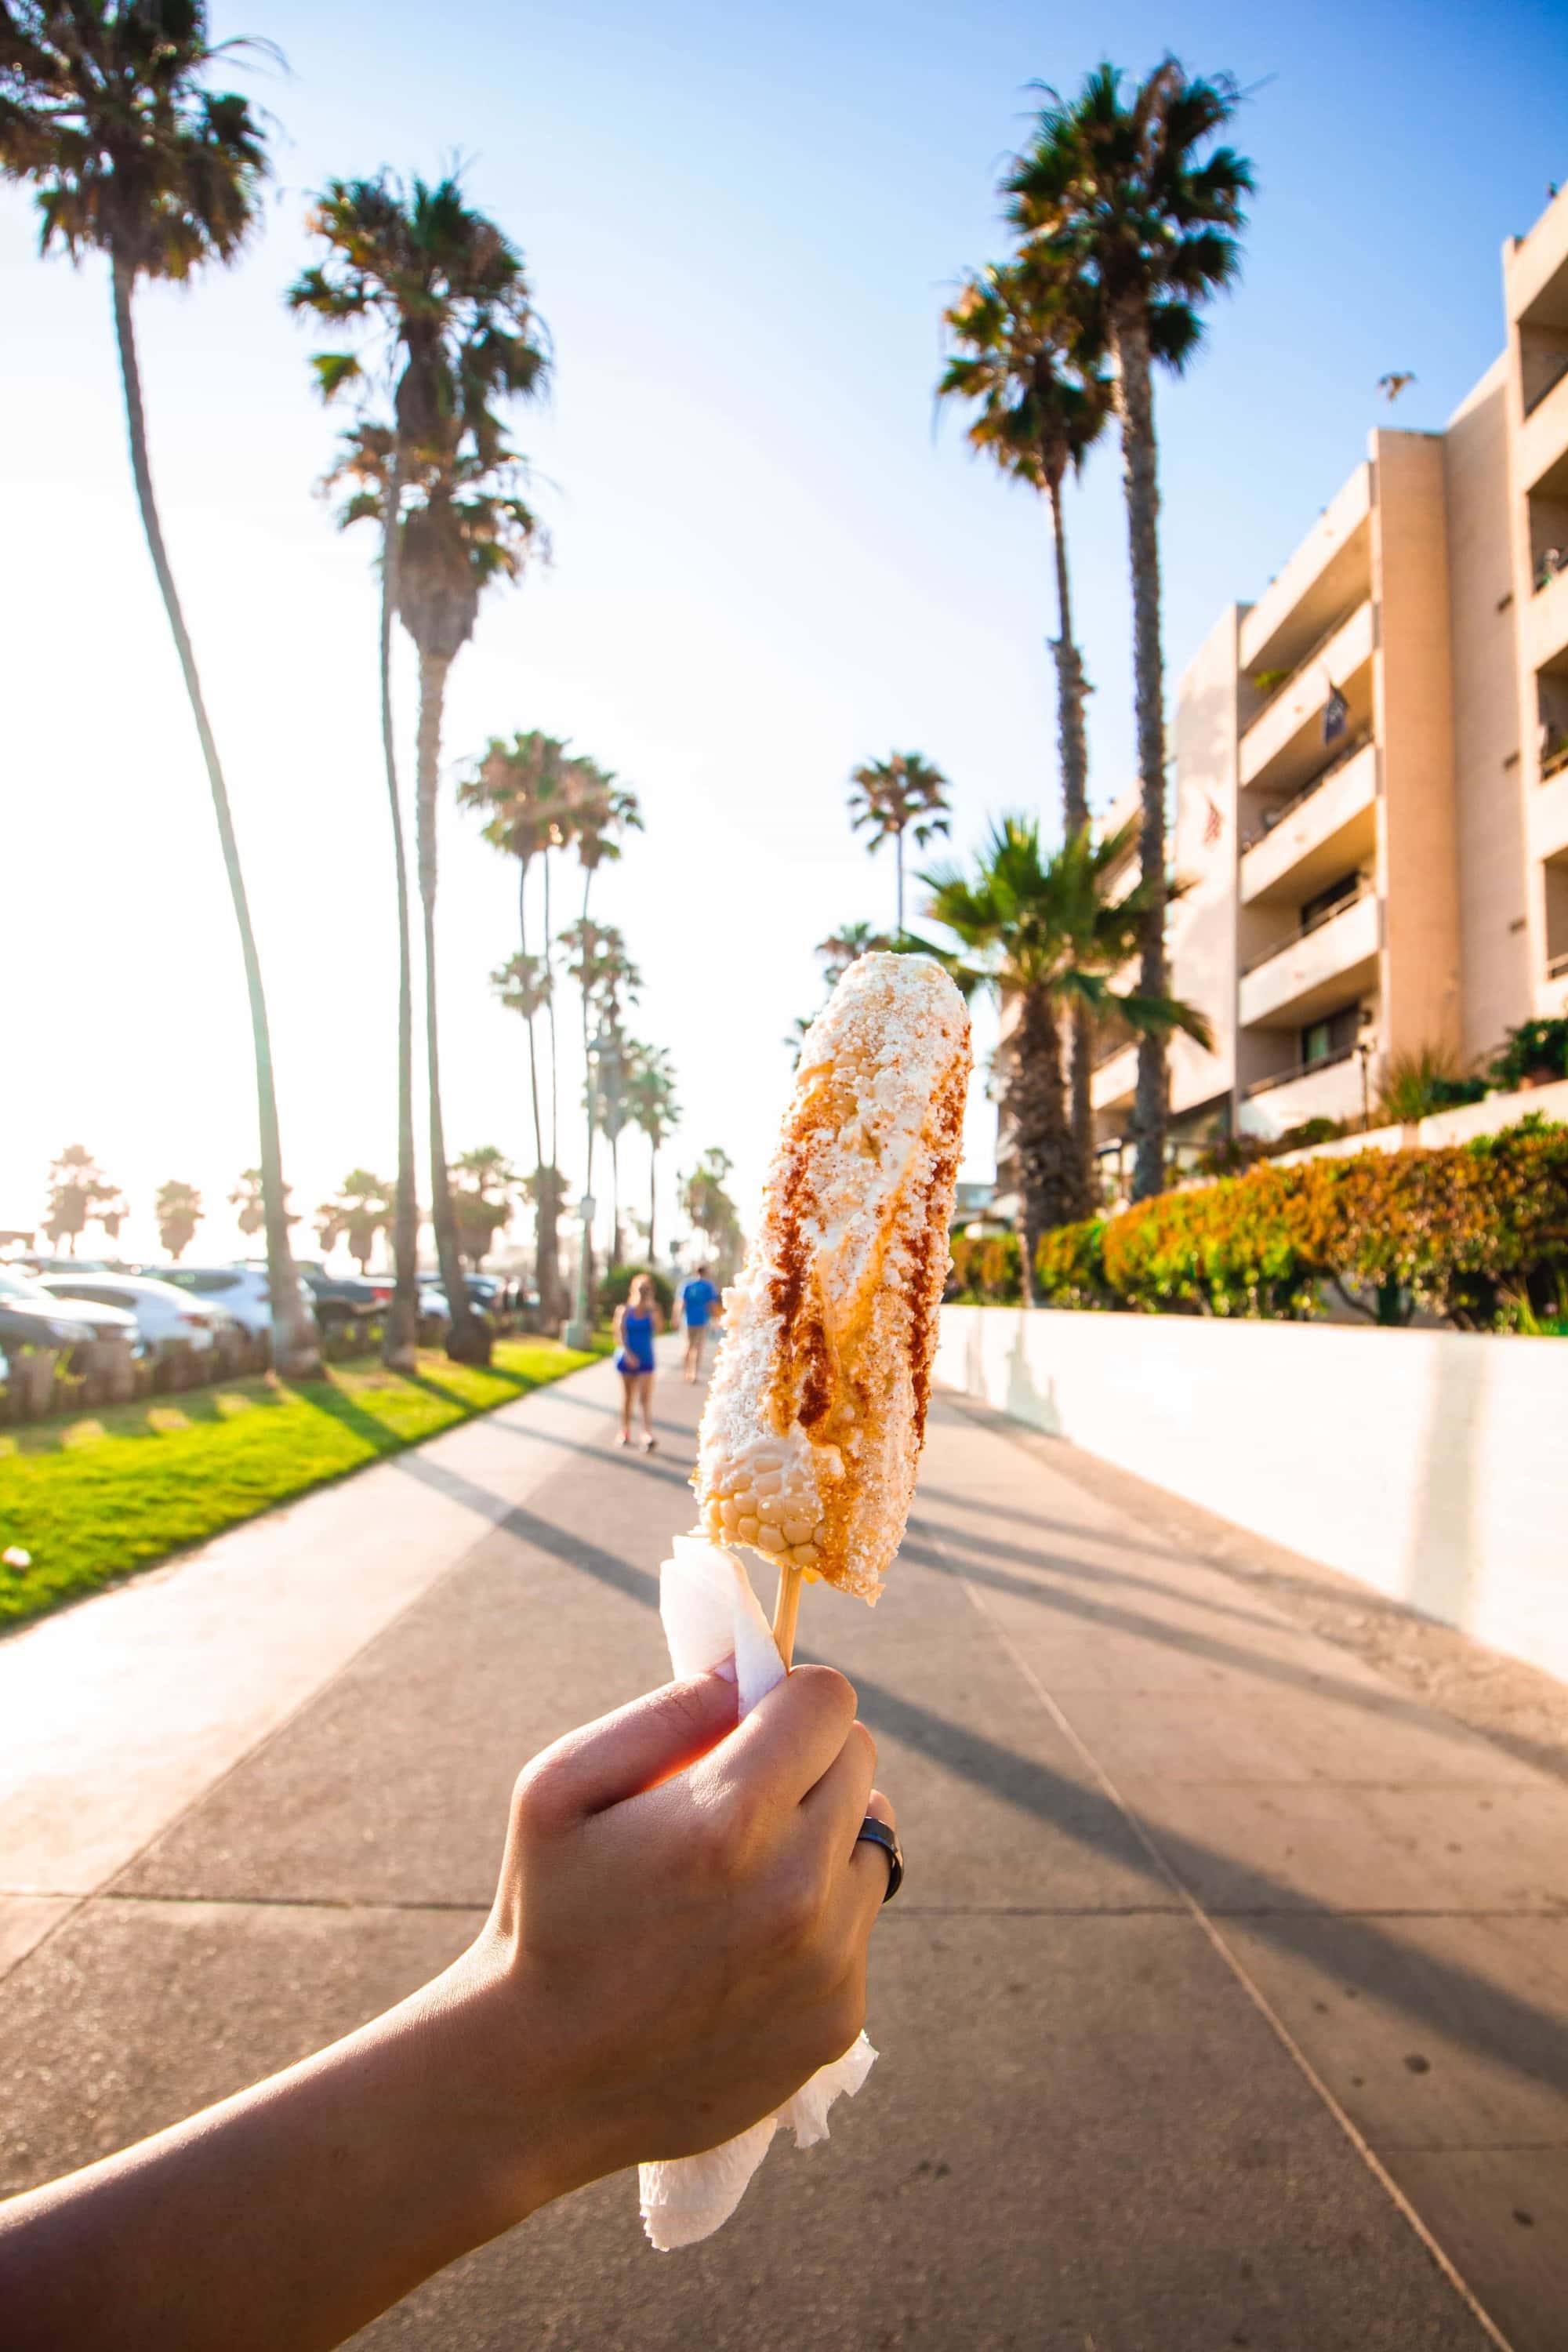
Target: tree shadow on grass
153 1417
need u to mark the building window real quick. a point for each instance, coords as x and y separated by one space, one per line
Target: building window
1327 1040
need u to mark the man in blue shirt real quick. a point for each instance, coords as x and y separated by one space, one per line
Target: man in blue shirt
697 1299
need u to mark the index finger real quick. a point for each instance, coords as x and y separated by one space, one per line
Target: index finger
791 1736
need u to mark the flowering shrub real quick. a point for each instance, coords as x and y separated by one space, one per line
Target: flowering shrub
1474 1233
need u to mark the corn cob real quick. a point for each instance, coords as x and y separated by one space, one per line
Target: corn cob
817 1411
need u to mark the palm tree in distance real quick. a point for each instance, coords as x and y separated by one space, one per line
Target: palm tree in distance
1042 933
650 1097
464 534
847 945
1112 198
78 1188
365 1206
902 794
249 1202
443 301
522 788
606 978
1028 362
483 1196
178 1210
104 109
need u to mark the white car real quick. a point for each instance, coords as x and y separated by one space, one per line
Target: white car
237 1290
169 1322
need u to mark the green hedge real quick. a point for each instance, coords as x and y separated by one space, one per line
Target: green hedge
1475 1233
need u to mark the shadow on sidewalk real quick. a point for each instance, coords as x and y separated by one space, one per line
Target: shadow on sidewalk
1452 2000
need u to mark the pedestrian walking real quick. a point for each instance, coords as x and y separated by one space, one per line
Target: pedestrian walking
635 1323
698 1298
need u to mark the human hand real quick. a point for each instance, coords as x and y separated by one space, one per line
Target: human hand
678 1939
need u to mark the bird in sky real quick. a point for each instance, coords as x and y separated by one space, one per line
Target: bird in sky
1391 387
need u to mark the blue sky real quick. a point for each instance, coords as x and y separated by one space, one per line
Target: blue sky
770 561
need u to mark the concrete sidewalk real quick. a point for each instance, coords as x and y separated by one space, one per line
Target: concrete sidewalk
1227 2002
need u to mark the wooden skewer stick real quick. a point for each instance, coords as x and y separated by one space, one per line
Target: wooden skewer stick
786 1612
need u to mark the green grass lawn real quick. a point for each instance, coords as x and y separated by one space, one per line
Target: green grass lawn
92 1497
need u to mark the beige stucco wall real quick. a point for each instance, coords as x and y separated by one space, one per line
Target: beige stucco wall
1429 1464
1418 846
1494 945
1202 925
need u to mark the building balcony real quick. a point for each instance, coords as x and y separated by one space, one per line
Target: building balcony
1330 1089
1284 744
1547 816
1313 971
1330 571
1543 443
1535 270
1329 826
1113 1081
1546 624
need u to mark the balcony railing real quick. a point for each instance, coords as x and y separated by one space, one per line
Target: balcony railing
1303 661
1552 763
1557 967
1550 384
1301 1070
1363 889
1552 560
1272 817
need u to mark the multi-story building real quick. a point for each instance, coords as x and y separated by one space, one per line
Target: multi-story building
1371 763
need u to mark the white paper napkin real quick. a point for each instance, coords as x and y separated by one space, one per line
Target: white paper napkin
712 1621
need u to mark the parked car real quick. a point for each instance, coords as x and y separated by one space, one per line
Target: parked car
32 1316
237 1290
177 1331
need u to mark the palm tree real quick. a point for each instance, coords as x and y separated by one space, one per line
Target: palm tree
1112 198
650 1095
77 1190
248 1201
711 1211
1042 934
1027 360
447 298
847 945
365 1205
102 108
606 978
483 1198
178 1210
522 790
599 811
903 793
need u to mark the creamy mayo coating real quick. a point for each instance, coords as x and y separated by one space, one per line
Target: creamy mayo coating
817 1411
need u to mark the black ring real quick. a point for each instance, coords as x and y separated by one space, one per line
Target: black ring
875 1833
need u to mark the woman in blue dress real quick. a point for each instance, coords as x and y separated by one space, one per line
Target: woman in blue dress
635 1323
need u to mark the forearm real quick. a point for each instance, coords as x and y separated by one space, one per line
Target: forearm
292 2213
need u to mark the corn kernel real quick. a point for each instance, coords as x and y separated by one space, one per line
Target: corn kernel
746 1531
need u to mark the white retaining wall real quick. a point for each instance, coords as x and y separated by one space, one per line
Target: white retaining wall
1432 1465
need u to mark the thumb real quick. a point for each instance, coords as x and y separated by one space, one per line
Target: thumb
622 1754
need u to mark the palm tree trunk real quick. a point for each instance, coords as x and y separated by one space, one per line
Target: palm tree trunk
652 1200
899 872
399 1340
294 1348
550 1310
586 1259
1047 1185
466 1342
1073 741
1140 485
545 1272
